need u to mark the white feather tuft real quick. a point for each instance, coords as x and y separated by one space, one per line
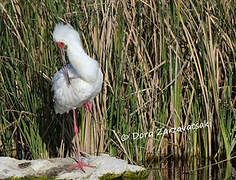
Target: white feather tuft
66 34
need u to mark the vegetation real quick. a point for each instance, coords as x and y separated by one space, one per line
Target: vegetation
169 79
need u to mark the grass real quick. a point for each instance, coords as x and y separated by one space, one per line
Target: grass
166 65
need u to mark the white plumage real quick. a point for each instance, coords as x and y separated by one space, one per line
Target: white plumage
85 76
77 83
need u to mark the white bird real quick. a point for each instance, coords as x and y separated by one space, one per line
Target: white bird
79 82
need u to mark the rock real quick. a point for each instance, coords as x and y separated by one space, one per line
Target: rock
57 167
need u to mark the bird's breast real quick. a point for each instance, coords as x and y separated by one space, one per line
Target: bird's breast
71 95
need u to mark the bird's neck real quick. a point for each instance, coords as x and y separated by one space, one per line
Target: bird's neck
86 67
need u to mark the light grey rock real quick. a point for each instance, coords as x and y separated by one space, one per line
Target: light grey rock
10 167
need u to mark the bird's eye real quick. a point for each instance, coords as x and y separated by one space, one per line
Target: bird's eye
61 45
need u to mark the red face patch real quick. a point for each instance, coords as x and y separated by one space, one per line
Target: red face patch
61 45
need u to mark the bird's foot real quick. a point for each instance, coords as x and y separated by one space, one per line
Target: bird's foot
88 106
81 165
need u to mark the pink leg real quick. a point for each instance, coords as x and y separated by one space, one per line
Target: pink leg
79 164
88 106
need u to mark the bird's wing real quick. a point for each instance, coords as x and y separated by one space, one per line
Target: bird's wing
69 96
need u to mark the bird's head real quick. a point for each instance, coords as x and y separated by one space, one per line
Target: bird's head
61 45
64 35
